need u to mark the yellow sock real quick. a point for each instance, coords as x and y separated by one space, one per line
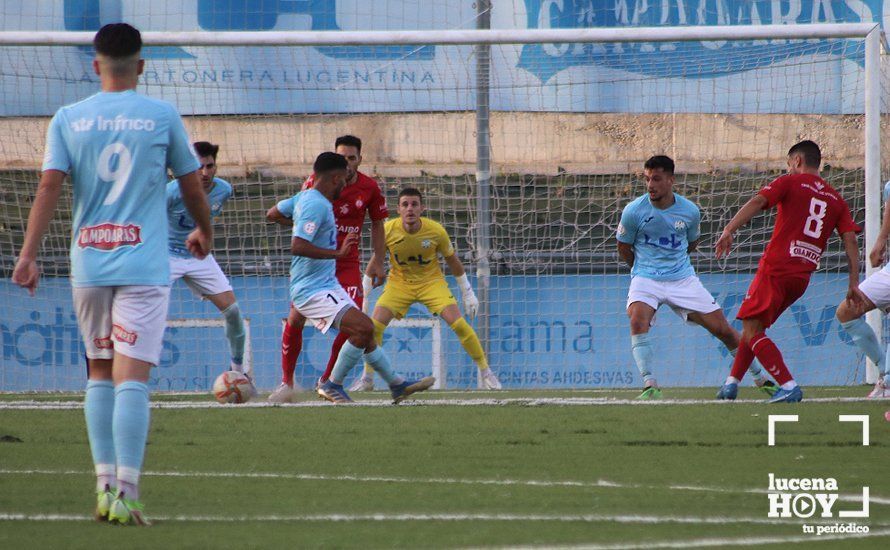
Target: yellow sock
470 342
378 337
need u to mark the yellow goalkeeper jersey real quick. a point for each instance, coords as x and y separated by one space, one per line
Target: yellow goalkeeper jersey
414 257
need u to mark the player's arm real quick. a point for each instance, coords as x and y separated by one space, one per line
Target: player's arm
26 274
855 297
693 246
626 253
309 219
876 256
468 297
375 270
302 247
274 215
200 241
743 216
626 235
182 162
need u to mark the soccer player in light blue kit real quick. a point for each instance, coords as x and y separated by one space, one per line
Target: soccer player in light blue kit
117 146
876 289
204 276
316 293
656 234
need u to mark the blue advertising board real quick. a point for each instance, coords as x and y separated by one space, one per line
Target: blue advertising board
545 332
709 76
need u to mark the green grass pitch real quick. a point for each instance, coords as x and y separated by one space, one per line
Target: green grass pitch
585 469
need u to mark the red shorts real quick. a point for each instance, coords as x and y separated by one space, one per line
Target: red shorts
769 296
350 277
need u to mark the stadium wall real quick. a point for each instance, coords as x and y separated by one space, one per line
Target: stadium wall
406 144
564 332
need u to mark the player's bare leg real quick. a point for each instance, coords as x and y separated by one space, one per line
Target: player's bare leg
850 316
341 338
716 323
641 315
291 345
470 342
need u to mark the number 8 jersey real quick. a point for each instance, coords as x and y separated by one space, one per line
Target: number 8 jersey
117 146
808 211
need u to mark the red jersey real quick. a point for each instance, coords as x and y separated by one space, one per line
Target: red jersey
808 211
363 195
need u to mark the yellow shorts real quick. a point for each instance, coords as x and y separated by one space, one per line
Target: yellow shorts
398 297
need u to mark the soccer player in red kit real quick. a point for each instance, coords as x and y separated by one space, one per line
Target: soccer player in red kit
808 211
360 195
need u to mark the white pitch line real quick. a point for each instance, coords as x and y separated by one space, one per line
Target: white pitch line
601 483
716 542
433 402
407 517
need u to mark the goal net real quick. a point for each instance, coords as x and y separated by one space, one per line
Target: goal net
570 117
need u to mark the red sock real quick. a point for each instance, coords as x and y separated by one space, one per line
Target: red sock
771 358
335 352
291 346
743 358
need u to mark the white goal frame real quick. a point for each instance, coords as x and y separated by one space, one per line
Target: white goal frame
871 33
440 371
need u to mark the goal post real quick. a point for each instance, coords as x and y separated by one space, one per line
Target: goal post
526 144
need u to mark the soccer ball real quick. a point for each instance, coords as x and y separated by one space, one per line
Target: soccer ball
232 387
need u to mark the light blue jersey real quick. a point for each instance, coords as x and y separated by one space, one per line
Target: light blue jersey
313 217
286 206
660 237
181 222
117 147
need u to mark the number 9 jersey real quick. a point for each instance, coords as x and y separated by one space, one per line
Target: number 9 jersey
117 147
808 211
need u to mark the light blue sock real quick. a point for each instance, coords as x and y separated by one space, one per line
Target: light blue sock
349 356
865 339
98 408
379 361
641 346
131 417
235 332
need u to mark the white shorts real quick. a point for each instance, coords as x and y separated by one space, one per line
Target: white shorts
204 277
684 296
877 288
129 320
325 308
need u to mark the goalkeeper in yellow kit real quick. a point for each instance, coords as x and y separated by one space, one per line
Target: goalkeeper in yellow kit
414 244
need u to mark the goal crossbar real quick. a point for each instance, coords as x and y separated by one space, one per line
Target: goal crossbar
457 37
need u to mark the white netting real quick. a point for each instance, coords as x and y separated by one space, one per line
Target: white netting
570 128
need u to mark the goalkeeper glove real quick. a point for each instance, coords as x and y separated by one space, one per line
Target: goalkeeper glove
468 297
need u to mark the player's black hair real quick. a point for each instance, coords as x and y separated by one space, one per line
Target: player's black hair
660 161
117 40
410 192
349 141
206 149
812 156
328 162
